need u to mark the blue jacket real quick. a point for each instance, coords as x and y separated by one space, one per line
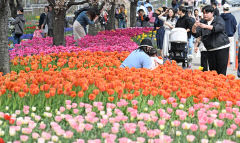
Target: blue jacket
84 20
137 59
230 24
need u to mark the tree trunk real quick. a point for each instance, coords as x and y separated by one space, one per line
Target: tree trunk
133 12
111 21
13 7
4 55
58 27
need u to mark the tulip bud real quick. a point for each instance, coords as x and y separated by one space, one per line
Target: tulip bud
34 109
238 134
12 132
2 133
6 108
145 109
54 138
181 106
162 127
100 125
47 108
178 133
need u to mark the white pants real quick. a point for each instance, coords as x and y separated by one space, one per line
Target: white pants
232 50
78 30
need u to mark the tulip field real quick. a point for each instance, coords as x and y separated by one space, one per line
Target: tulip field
79 94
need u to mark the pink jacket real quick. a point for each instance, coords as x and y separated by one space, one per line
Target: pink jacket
151 18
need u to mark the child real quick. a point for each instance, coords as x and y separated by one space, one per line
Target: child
155 60
37 33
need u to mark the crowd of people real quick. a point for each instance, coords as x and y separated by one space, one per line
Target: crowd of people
208 31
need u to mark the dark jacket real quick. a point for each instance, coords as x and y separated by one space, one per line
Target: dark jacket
142 22
19 24
216 12
186 23
230 24
49 20
214 38
42 17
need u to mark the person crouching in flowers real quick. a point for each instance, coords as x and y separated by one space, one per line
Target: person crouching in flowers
37 33
140 57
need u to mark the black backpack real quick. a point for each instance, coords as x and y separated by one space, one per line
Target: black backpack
76 13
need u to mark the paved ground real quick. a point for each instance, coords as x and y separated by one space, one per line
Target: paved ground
231 68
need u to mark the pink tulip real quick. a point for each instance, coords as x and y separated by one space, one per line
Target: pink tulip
88 127
62 109
35 135
46 135
74 105
75 111
211 133
194 127
42 126
190 138
26 130
68 102
183 100
23 138
69 134
169 110
140 139
134 102
230 131
80 141
220 123
150 102
115 130
163 102
203 128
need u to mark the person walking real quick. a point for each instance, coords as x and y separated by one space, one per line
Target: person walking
169 23
83 19
49 21
214 38
159 26
230 28
41 20
18 23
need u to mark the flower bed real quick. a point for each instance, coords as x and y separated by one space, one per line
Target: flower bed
101 42
73 94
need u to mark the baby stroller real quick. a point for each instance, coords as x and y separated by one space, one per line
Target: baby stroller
178 40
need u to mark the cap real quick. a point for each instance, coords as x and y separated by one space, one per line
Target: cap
146 42
226 6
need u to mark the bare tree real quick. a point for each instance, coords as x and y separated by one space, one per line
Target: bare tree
133 11
4 55
111 14
14 4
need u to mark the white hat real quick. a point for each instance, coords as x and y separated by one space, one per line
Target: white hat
226 6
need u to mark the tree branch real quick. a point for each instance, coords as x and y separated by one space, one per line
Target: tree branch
71 3
51 2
